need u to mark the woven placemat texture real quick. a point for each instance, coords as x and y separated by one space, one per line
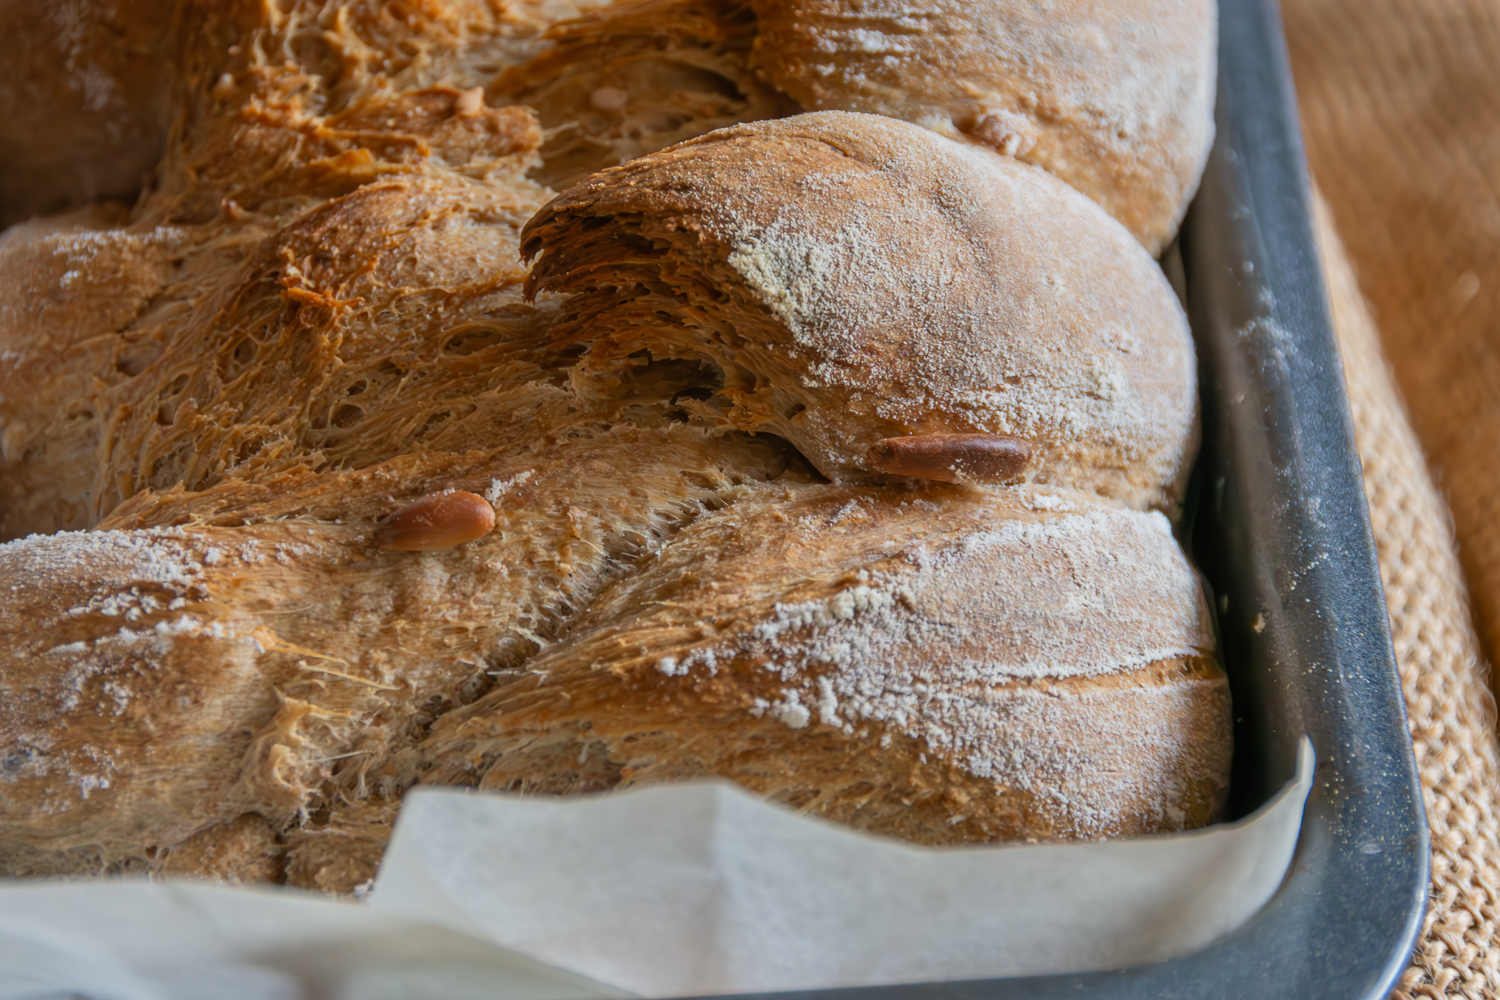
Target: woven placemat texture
1450 711
1400 103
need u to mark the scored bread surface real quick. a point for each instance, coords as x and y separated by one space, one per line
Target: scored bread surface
213 405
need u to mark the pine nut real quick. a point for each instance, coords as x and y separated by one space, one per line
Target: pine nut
437 521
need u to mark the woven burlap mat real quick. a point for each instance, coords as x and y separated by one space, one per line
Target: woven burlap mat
1448 702
1400 103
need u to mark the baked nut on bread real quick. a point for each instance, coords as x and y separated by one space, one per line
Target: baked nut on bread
1115 97
857 279
828 455
939 664
158 681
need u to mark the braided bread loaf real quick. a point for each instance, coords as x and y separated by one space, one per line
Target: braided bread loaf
826 454
1113 96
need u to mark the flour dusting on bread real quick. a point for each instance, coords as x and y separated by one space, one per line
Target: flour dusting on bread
921 310
831 454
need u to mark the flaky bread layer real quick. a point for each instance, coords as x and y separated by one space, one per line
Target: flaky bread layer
853 278
1034 663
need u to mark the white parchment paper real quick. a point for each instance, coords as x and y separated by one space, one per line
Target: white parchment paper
664 891
139 940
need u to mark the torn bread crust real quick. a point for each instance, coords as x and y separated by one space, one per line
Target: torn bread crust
1048 664
316 317
636 76
855 278
160 680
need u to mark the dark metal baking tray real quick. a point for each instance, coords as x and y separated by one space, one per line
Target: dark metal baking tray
1281 529
1279 525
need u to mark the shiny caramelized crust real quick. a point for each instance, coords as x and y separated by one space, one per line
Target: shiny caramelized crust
855 279
310 491
1115 97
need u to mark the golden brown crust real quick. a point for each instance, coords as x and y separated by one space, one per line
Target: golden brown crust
157 681
315 317
83 102
1113 96
227 324
244 346
99 88
635 76
856 278
243 850
1021 663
